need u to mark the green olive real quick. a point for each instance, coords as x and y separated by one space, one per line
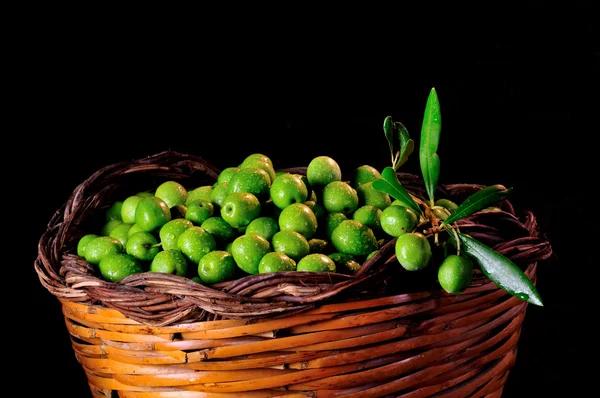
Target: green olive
413 251
446 204
455 273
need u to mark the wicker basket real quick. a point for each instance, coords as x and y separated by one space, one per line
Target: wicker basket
380 332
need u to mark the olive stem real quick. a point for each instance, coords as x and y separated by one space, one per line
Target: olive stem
395 161
434 224
419 202
455 233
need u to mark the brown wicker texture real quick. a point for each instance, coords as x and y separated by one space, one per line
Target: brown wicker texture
381 332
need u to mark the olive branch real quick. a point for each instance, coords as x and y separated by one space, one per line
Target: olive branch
497 267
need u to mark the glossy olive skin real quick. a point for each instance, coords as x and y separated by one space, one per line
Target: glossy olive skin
202 192
286 189
170 261
344 263
195 242
440 213
114 211
248 250
128 208
240 208
367 195
172 192
152 213
169 233
142 246
331 221
291 243
413 251
97 248
199 211
253 180
260 161
300 218
116 266
219 193
219 229
316 262
455 273
398 220
276 262
443 208
446 204
121 232
226 174
370 216
363 174
216 266
109 226
340 197
353 237
83 241
265 226
323 170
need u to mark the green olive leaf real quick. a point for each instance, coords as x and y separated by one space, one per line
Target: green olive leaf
430 138
479 200
388 130
397 135
500 270
407 145
389 184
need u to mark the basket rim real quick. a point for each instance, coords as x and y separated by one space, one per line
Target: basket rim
167 299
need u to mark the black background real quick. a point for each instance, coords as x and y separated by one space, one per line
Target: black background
517 88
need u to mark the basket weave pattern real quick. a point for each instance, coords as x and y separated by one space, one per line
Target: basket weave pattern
377 333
